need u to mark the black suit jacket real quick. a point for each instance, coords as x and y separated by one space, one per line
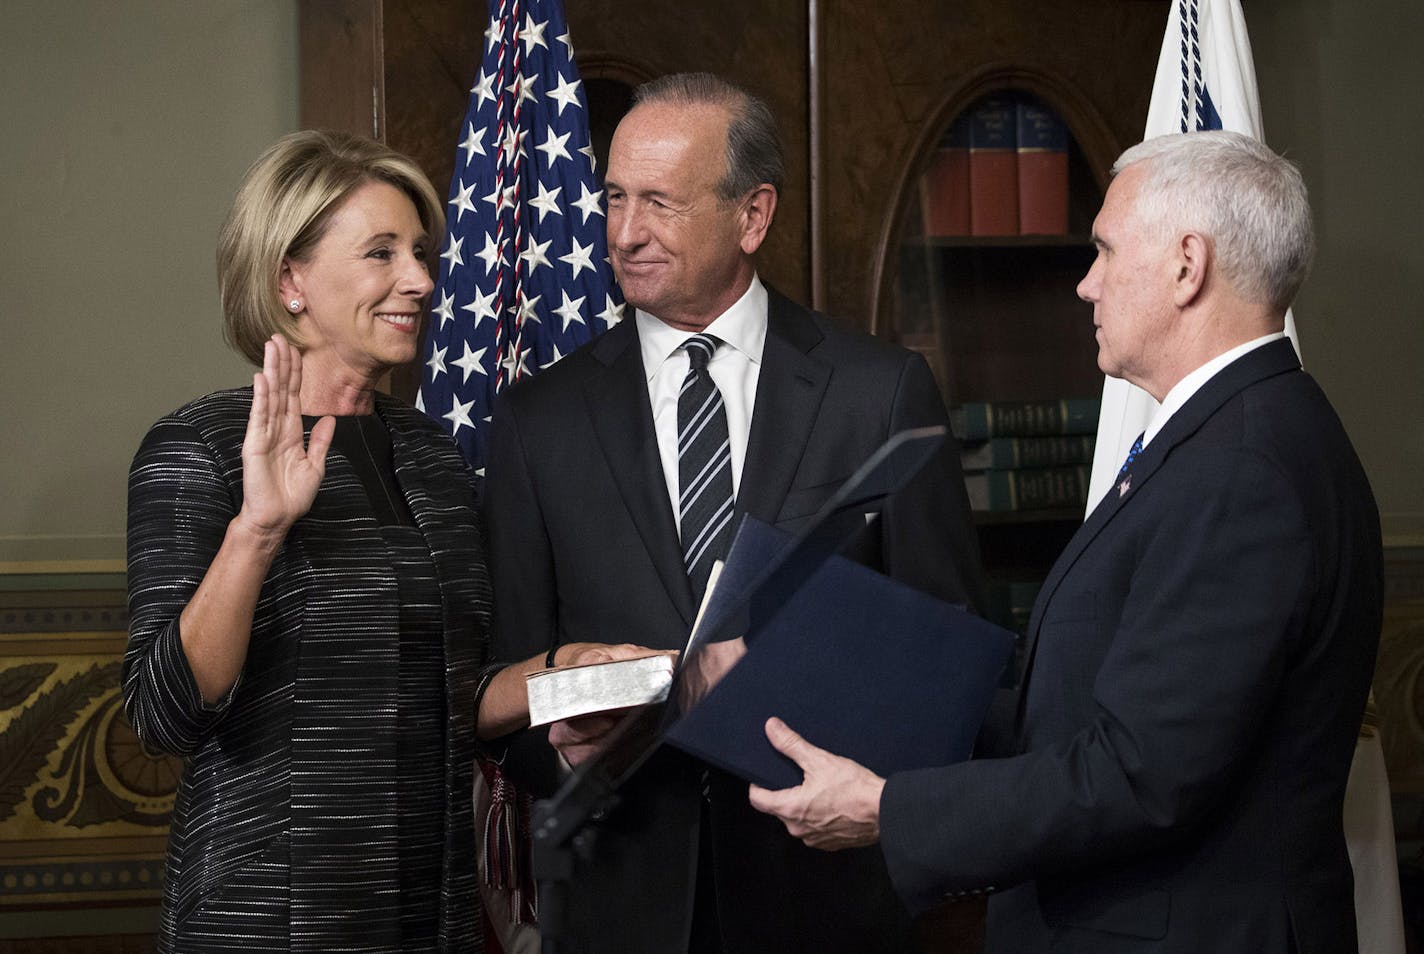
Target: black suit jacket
1200 658
585 547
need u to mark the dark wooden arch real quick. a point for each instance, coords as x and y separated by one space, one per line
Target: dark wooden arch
608 84
604 65
1086 123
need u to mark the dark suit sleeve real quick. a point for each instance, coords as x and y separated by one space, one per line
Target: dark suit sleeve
1207 623
525 598
928 539
178 512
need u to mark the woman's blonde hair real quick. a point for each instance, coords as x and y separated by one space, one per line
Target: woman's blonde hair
282 210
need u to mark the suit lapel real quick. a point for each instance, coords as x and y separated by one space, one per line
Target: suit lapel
790 387
1264 362
622 418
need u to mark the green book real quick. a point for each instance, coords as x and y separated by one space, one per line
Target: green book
1008 453
984 419
1036 488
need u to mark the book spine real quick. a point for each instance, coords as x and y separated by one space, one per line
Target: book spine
945 189
1038 488
993 168
1006 453
984 419
1042 147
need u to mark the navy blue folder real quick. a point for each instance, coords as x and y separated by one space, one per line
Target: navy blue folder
858 663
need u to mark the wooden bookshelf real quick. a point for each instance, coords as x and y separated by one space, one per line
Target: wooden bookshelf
999 319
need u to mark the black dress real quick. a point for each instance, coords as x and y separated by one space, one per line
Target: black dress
420 721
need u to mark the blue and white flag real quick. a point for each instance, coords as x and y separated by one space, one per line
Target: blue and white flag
524 274
1206 79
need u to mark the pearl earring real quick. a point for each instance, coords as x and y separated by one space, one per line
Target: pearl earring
294 305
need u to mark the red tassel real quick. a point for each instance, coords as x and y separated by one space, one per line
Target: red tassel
506 841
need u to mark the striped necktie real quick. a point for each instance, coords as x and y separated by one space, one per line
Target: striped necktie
704 465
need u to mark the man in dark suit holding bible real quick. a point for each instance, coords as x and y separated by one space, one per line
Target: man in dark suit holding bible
616 478
1200 654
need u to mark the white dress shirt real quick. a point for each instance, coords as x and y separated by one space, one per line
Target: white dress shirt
1192 383
735 367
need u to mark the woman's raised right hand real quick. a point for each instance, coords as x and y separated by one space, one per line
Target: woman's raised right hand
280 475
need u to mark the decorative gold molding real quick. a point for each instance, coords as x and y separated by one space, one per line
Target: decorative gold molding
84 809
52 567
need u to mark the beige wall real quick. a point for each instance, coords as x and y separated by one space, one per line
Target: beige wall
1339 82
126 127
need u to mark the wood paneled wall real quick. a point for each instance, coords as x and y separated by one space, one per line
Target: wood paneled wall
885 76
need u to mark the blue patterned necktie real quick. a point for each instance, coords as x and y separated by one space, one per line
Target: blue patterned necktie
1124 478
704 465
1131 456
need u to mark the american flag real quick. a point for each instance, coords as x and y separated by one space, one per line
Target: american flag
524 275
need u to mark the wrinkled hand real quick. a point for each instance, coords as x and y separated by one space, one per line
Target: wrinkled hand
280 476
837 804
580 654
705 667
579 739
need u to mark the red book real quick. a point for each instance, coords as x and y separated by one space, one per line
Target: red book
945 189
1043 170
993 168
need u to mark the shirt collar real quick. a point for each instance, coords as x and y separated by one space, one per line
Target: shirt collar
742 326
1183 390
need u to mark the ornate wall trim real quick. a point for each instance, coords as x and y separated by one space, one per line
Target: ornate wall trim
84 809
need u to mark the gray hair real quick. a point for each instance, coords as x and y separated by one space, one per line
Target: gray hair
754 153
1248 200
